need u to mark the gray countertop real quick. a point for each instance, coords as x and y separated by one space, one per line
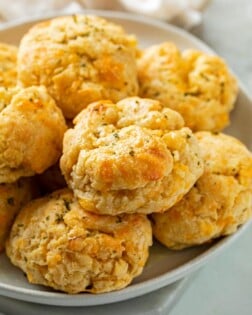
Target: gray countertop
224 286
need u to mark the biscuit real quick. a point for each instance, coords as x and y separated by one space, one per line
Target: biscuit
220 200
12 198
8 65
59 244
197 85
133 156
6 95
80 59
31 133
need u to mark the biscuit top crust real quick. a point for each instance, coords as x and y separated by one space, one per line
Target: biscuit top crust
121 146
80 59
198 85
132 156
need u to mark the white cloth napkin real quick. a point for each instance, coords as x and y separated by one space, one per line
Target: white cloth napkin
185 13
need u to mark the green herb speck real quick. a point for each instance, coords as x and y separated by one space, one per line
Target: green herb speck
10 201
59 218
131 152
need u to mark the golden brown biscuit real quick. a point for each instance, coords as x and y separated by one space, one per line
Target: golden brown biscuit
8 65
219 202
80 59
6 95
31 133
12 198
198 86
133 156
59 244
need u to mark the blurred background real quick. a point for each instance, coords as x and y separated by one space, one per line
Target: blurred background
226 27
223 24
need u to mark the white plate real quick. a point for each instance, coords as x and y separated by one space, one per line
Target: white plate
164 267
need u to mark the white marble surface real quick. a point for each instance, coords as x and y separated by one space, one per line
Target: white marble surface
224 286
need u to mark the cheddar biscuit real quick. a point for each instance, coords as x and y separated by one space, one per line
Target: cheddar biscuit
133 156
12 198
59 244
80 59
8 65
197 85
31 133
220 200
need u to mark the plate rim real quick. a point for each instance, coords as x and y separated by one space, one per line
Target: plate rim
138 289
132 291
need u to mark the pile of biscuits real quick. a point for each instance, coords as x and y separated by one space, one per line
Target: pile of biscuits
104 145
